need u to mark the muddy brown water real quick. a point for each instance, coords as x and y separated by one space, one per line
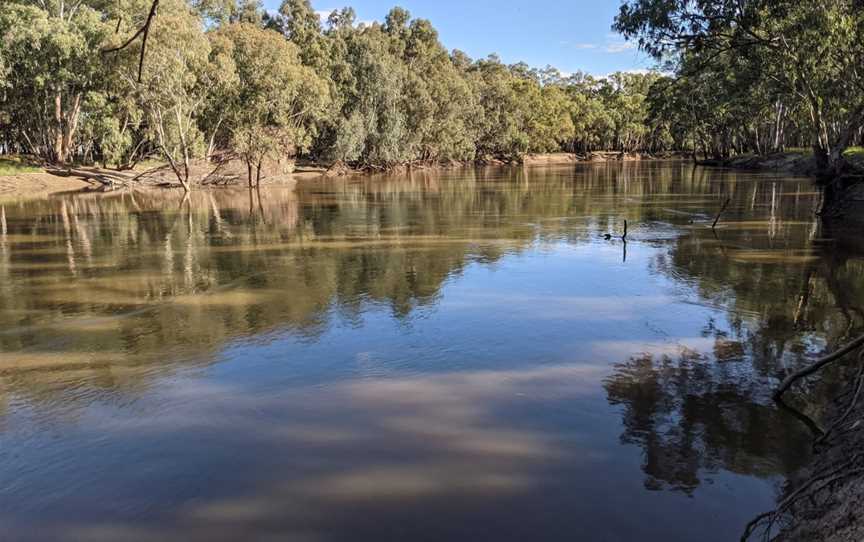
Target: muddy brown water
445 356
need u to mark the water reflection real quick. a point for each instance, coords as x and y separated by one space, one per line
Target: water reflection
444 355
693 416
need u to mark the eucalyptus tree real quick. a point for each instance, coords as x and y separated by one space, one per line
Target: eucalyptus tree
439 104
50 63
272 106
299 23
501 134
224 77
810 52
175 87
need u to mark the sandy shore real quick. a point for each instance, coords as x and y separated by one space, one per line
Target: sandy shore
37 185
40 185
557 158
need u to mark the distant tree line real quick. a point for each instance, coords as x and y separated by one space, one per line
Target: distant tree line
227 78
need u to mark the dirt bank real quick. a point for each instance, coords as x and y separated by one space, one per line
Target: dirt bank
823 501
37 185
832 490
557 158
51 181
799 163
57 180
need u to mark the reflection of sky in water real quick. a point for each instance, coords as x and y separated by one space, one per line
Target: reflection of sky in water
541 388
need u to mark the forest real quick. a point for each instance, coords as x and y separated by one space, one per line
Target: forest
117 82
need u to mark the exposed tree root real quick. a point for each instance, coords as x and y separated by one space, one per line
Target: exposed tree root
815 493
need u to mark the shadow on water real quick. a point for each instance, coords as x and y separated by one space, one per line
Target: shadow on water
431 356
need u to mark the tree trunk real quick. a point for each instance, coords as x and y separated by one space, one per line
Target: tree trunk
71 126
57 132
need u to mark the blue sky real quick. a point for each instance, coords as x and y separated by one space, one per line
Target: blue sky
568 34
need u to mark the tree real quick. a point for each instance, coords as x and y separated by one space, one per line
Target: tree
275 101
175 87
51 62
808 51
299 22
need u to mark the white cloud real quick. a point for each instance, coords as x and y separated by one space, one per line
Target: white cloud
640 71
619 47
613 44
323 14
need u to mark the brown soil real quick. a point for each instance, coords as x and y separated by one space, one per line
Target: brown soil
786 162
835 513
36 185
54 181
59 180
557 158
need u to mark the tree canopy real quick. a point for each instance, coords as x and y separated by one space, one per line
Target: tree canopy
226 78
760 65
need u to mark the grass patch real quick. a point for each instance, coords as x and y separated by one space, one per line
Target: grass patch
14 165
854 152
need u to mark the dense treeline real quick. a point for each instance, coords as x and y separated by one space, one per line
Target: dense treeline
756 75
226 78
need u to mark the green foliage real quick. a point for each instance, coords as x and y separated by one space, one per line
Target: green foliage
757 67
50 62
855 157
223 77
272 106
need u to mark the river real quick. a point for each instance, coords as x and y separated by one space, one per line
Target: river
455 355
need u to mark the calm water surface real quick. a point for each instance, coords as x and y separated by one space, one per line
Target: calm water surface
453 356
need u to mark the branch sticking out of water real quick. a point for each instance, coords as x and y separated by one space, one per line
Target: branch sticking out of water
717 219
624 237
818 364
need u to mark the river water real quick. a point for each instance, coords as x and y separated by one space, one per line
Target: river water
458 355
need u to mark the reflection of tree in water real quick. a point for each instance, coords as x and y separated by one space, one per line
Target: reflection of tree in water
788 294
693 415
108 283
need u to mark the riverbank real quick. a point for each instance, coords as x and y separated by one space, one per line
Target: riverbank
37 185
558 158
41 182
798 163
829 496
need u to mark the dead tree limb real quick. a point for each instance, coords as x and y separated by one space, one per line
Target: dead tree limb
717 219
143 31
813 368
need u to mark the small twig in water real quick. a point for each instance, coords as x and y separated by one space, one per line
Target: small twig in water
624 237
717 219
